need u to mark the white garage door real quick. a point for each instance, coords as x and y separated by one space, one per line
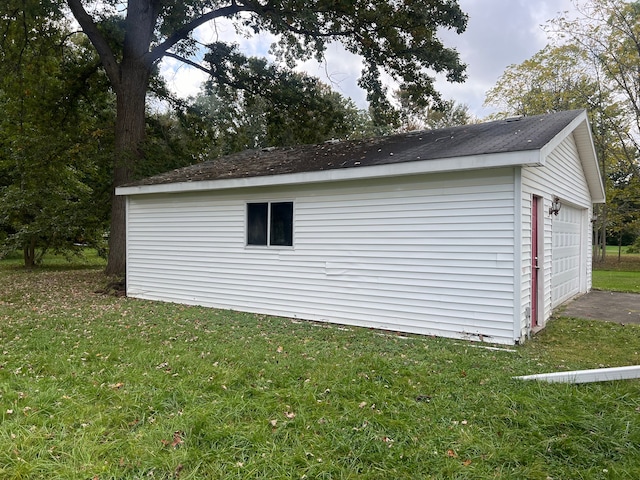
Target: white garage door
566 253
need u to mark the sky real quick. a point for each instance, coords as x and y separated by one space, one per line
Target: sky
499 33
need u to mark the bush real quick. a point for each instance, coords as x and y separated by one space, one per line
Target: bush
635 247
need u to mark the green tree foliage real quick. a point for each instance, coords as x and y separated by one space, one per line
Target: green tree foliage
290 108
442 114
623 215
395 38
250 103
174 139
52 131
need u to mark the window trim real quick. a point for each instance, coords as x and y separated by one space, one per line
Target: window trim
268 244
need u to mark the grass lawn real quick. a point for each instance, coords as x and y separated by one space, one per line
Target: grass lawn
620 274
616 281
99 387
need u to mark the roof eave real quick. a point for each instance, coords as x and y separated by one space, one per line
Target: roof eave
581 131
586 150
471 162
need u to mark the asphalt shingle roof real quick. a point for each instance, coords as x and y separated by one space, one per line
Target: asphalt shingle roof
510 135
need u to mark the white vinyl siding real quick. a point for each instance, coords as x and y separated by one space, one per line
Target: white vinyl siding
562 175
430 254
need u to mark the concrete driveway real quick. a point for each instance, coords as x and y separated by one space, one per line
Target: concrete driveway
608 306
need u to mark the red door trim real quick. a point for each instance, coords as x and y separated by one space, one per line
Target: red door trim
535 265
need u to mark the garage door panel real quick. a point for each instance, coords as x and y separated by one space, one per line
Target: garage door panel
566 254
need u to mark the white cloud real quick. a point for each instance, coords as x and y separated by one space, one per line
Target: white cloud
183 80
340 69
499 33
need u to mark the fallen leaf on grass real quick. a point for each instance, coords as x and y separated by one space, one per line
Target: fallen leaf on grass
466 463
177 439
176 442
451 453
289 414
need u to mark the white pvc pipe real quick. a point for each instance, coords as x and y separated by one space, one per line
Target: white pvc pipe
587 376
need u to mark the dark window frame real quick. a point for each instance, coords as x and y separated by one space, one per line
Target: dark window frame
269 224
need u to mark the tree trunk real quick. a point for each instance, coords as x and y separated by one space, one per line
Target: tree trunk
130 80
599 234
620 246
30 253
130 132
603 232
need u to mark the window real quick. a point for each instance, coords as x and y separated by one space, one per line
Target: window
270 223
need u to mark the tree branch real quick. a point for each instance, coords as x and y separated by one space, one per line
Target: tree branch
99 42
317 33
236 85
183 32
189 62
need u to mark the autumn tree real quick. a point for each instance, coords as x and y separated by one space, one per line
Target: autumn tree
556 78
608 32
565 77
396 38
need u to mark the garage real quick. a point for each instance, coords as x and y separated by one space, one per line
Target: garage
422 232
567 263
